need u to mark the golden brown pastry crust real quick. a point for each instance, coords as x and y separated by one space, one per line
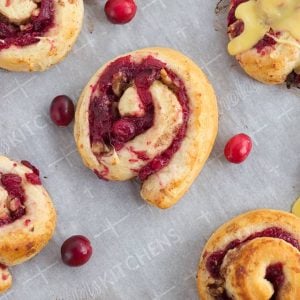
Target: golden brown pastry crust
274 63
164 188
53 46
243 269
20 241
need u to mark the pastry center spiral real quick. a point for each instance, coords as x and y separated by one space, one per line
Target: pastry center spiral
23 22
250 267
13 195
12 198
138 116
220 263
18 11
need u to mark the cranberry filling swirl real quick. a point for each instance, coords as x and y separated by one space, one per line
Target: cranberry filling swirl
149 114
35 34
27 216
275 59
254 256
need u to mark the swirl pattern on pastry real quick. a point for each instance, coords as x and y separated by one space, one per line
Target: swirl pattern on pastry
150 114
36 34
27 216
254 256
265 39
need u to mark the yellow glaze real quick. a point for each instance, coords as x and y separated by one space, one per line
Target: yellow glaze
259 16
296 208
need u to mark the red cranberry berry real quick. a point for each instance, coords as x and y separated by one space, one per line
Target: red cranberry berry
76 251
123 130
238 148
120 11
62 110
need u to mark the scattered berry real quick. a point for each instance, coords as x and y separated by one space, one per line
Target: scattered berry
76 251
120 11
238 148
62 110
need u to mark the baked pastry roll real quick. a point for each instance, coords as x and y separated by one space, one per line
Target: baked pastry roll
27 216
255 256
36 34
150 114
265 39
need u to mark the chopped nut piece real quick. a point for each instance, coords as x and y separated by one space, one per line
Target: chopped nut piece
14 204
99 148
119 83
165 77
36 12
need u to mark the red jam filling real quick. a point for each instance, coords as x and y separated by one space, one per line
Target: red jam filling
34 177
274 273
106 124
12 183
29 33
238 27
231 15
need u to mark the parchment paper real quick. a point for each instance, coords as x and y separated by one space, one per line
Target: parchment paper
141 252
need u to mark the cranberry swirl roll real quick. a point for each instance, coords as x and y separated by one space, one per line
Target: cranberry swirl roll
255 256
265 39
150 114
27 216
36 34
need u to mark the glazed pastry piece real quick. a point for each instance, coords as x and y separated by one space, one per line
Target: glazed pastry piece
149 114
254 256
36 34
265 39
27 216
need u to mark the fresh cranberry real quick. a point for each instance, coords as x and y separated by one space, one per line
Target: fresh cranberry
62 110
76 251
120 11
238 148
123 130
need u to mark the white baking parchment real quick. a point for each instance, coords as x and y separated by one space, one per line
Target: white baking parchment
141 252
